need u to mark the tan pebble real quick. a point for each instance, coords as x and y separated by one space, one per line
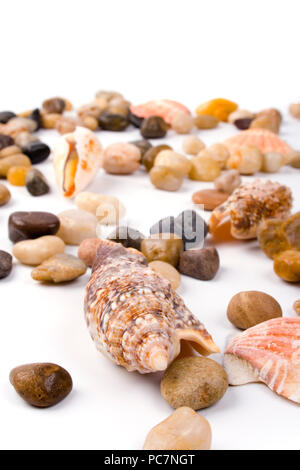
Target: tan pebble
196 382
297 307
228 181
24 138
272 162
16 175
59 268
34 252
18 159
247 159
192 145
90 201
87 250
266 122
20 124
54 105
168 271
217 152
151 154
166 178
174 160
90 109
294 159
121 159
204 121
294 110
247 309
291 230
110 214
76 226
287 265
204 168
10 150
209 198
271 237
162 247
4 195
49 120
65 124
90 122
184 429
240 114
182 123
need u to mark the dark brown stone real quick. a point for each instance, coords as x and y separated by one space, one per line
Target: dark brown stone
5 264
30 225
154 127
201 264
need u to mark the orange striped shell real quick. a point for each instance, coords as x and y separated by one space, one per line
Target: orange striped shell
166 109
268 353
263 139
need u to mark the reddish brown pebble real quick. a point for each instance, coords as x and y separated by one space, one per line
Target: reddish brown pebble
210 198
201 264
87 250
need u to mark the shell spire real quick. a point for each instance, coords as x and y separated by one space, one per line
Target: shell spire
134 316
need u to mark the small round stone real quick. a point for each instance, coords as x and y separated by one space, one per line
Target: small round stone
209 198
291 230
34 252
90 122
25 138
76 226
59 268
150 155
240 114
268 122
296 307
228 181
196 382
154 127
5 116
167 271
272 162
218 152
294 110
247 160
287 265
201 264
204 121
9 151
5 264
113 122
36 183
18 160
64 124
129 237
204 169
87 250
89 202
143 145
37 152
4 195
41 385
243 124
271 237
166 178
30 225
182 123
162 247
5 141
16 175
192 145
50 121
121 159
54 105
173 160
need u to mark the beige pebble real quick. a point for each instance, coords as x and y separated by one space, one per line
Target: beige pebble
13 160
90 109
87 250
294 160
24 138
59 268
90 122
228 181
168 271
34 252
66 124
204 168
166 178
182 123
174 160
109 213
184 429
204 121
272 162
294 110
192 145
217 152
240 114
4 195
247 159
76 226
10 150
121 159
90 201
49 120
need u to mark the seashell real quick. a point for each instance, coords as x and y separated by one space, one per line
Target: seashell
77 157
249 205
133 314
263 139
167 109
268 353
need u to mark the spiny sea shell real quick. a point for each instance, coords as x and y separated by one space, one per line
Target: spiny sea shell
133 314
166 109
268 353
263 139
249 205
77 157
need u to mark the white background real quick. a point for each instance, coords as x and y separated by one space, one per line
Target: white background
190 51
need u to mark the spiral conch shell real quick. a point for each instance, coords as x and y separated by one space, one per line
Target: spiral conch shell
77 157
249 205
133 314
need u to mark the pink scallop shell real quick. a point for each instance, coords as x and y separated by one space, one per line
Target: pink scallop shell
263 139
166 109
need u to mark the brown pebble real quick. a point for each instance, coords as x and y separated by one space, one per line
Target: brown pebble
151 154
297 307
87 250
59 268
4 195
41 384
210 198
162 247
201 264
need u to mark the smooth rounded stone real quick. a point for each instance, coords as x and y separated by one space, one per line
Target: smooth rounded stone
5 264
37 152
201 264
31 225
191 228
182 123
90 201
129 237
5 141
4 195
13 160
59 268
184 429
196 382
167 271
5 116
296 306
209 198
150 155
135 120
90 122
163 247
154 127
113 122
166 178
87 250
294 160
36 183
24 138
20 124
218 152
272 162
76 226
228 181
54 105
204 169
287 265
240 114
16 175
110 214
247 159
205 121
271 237
121 159
249 308
291 230
34 252
42 384
36 117
143 145
174 160
192 145
243 123
10 150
